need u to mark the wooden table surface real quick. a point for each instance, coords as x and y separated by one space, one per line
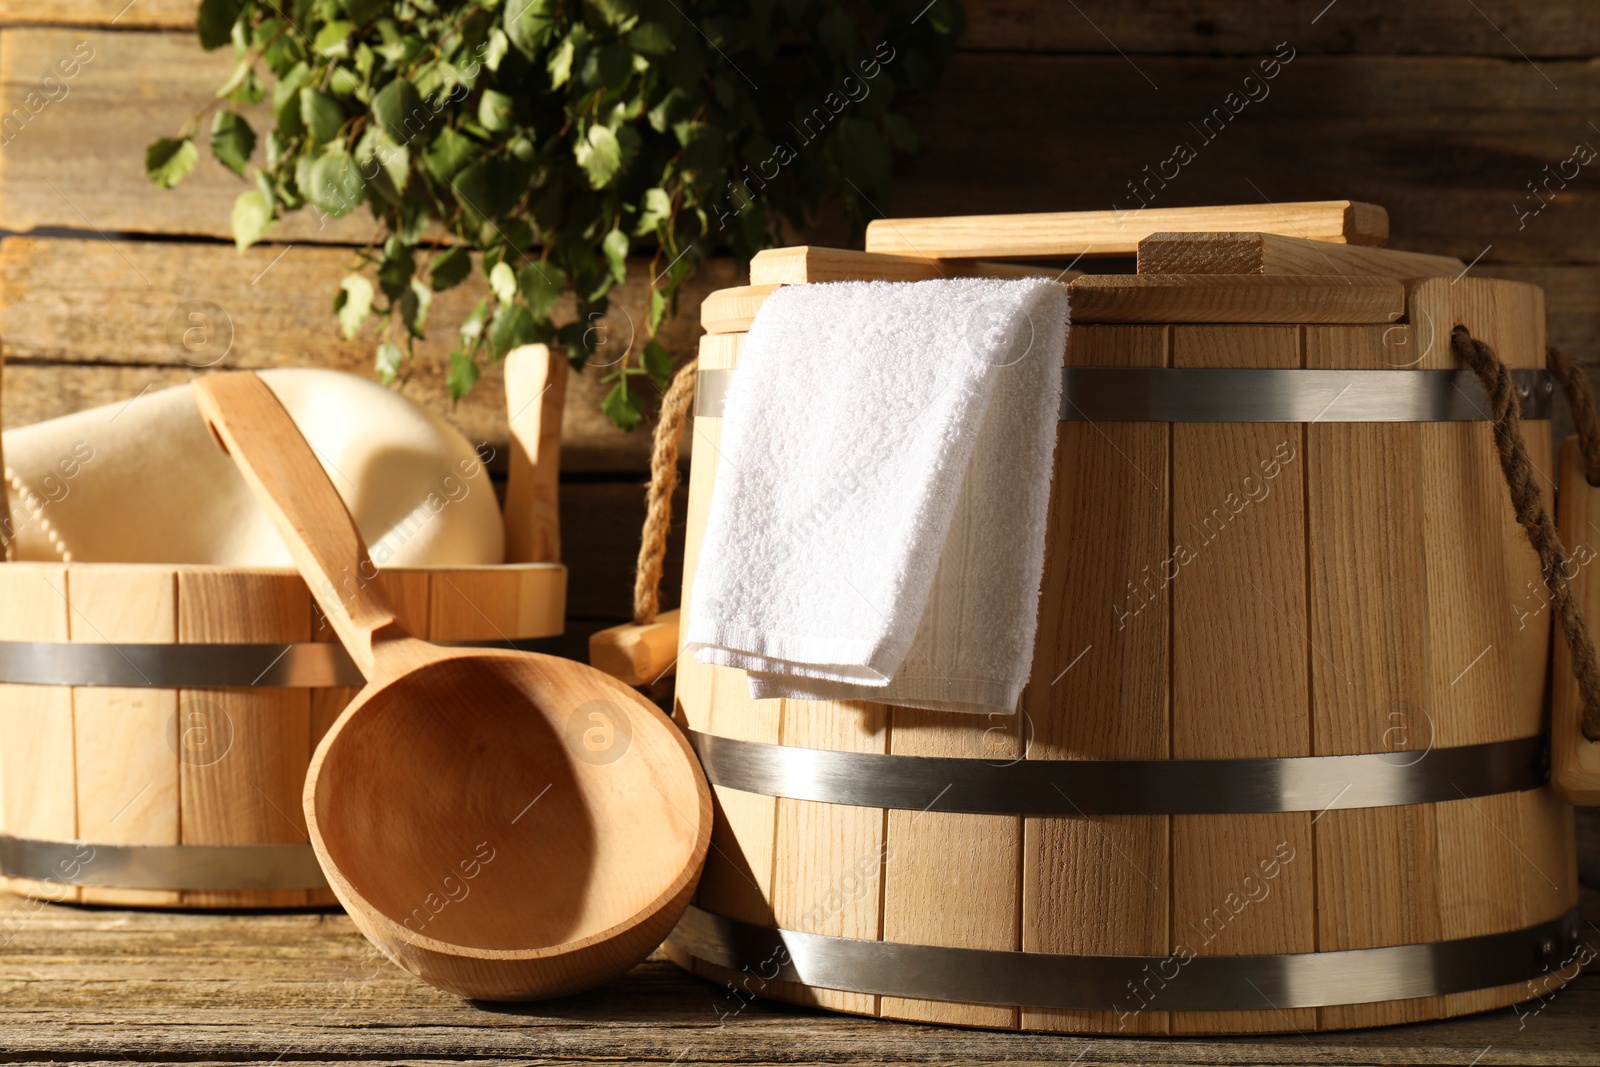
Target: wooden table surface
82 985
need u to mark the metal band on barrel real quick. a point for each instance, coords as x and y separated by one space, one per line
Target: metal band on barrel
289 665
1161 394
1128 984
1123 787
82 863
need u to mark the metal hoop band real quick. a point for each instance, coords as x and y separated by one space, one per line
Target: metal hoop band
1123 787
244 867
1160 394
285 665
1179 982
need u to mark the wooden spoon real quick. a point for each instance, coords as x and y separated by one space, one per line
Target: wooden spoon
504 825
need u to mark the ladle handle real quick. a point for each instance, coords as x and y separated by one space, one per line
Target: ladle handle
282 470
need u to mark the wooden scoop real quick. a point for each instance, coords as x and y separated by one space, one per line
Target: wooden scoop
503 825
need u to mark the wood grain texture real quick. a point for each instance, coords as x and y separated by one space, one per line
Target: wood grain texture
1109 233
242 753
813 263
38 791
1240 669
1484 672
1101 884
66 301
1195 298
1575 760
125 739
307 988
78 160
536 390
1376 879
1359 127
1168 26
638 653
1268 253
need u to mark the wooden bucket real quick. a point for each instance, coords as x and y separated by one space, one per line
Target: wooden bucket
1242 568
156 721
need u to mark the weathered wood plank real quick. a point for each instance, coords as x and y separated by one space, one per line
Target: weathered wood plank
1447 145
129 304
1500 28
75 144
164 987
1496 28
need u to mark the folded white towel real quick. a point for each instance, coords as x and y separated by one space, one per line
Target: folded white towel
877 526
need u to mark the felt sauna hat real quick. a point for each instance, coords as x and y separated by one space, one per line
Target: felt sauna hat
142 481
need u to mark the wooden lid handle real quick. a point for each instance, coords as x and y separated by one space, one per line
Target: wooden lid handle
282 470
1574 759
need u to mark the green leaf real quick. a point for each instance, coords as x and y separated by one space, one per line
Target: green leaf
655 207
353 304
168 160
363 11
388 362
463 373
503 282
658 309
232 140
321 115
252 218
395 268
621 405
448 154
334 184
615 247
472 326
495 110
449 268
541 285
527 23
560 63
511 328
402 113
333 39
414 304
650 38
600 156
487 188
214 23
657 362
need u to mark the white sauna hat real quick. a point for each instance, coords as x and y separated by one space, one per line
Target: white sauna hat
143 481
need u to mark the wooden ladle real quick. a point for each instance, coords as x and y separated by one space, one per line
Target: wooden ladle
504 825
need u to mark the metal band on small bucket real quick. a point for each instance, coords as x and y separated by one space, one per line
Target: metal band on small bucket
1123 787
285 665
1181 981
1164 394
85 863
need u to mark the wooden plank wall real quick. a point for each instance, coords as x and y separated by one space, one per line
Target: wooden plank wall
1471 122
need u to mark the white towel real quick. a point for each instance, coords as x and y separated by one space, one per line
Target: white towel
877 527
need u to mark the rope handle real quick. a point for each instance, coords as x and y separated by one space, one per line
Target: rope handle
1526 497
675 407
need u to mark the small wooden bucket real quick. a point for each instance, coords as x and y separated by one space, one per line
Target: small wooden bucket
1281 765
156 721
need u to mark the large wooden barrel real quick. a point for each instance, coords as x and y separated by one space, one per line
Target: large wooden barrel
156 722
1281 762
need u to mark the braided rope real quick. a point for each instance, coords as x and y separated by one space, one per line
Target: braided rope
1528 501
658 500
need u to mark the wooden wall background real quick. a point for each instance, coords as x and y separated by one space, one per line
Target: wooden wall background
1447 112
